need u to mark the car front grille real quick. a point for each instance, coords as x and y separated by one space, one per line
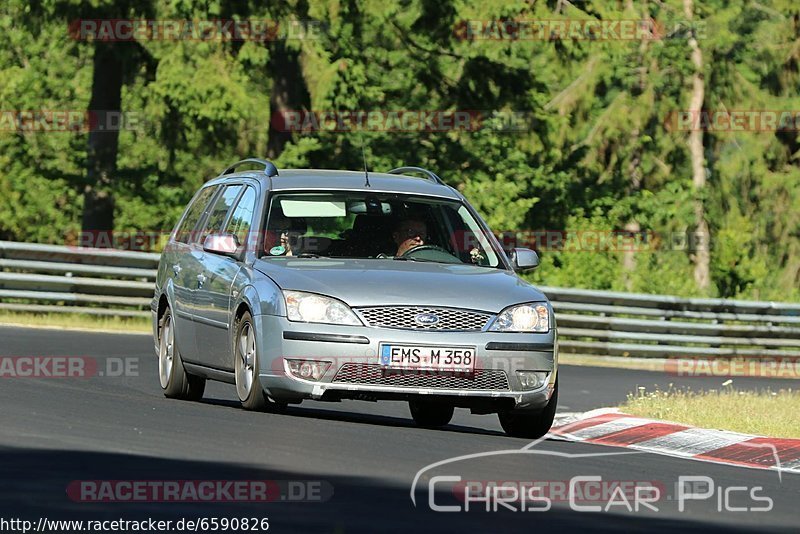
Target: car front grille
376 375
405 317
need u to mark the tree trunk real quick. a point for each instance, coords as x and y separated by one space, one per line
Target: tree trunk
289 93
101 160
634 167
701 242
632 226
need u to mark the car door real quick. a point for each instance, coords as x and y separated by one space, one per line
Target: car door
217 276
181 268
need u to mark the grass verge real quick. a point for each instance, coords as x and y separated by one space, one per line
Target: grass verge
76 321
764 413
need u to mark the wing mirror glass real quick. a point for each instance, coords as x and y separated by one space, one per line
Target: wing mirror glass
524 259
223 244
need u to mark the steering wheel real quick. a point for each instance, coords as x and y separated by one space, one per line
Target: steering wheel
431 253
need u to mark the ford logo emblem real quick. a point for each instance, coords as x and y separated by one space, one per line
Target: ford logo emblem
426 319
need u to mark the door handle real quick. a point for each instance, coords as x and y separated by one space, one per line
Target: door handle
177 268
201 279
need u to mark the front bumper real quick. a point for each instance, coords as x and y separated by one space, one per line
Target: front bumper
348 345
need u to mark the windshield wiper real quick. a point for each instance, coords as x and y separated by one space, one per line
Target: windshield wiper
428 260
309 255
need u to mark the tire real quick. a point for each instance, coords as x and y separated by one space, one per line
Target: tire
429 414
530 425
245 365
175 381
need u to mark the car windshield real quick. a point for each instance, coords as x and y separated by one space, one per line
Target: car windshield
376 226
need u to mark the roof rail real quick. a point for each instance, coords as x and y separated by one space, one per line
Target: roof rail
430 175
269 168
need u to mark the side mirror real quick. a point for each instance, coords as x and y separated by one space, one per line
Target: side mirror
524 259
222 244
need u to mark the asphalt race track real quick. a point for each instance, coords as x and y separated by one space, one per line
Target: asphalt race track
360 457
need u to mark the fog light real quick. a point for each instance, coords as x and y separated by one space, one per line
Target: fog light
307 369
532 379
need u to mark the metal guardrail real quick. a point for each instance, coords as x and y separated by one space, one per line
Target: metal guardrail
54 279
58 279
635 324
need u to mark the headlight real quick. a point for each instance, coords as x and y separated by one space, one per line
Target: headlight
312 308
523 318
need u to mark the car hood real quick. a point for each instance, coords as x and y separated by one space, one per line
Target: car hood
397 283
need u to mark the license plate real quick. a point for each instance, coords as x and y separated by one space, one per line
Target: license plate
428 358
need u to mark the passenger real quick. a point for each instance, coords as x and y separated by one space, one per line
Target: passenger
278 242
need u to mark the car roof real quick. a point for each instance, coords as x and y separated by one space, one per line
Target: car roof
338 180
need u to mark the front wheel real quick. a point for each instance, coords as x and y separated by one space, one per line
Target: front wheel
175 381
530 426
245 365
430 414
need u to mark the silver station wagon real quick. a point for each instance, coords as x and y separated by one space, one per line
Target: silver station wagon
331 285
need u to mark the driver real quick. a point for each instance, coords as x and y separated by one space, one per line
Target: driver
409 233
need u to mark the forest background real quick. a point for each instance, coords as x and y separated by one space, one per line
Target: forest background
579 128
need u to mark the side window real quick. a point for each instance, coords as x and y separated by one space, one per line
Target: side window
223 204
242 218
192 215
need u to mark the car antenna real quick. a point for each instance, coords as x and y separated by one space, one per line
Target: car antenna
364 157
